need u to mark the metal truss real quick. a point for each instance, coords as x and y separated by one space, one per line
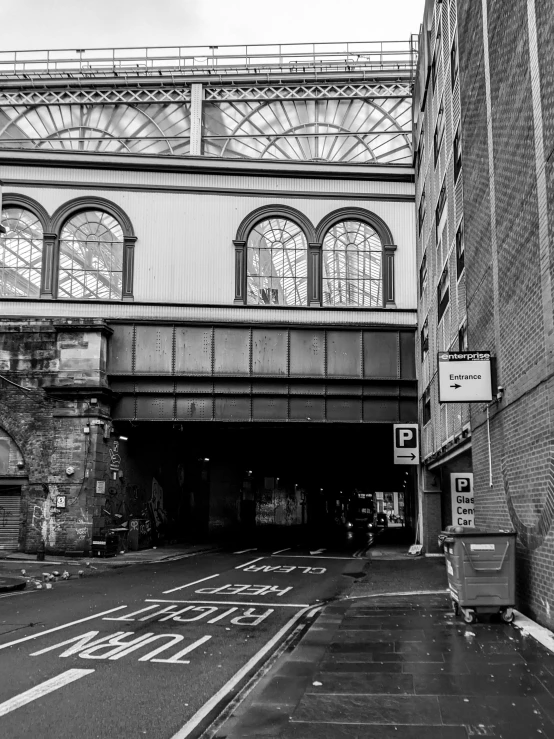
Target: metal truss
326 102
181 94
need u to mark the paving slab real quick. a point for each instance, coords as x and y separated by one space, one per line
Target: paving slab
441 679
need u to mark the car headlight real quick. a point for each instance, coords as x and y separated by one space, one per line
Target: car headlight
370 526
349 524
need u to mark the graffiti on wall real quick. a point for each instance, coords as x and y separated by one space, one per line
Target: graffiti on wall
156 504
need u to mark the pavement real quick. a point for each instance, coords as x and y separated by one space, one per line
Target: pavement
380 664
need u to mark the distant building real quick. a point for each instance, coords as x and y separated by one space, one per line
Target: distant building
484 136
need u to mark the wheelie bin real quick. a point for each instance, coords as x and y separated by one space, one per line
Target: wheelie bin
480 564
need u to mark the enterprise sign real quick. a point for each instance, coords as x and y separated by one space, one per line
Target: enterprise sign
465 377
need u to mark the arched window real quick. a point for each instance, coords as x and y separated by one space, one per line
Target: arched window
91 257
21 250
352 261
277 263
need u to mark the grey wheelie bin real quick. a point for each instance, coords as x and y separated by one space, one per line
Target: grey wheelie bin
480 564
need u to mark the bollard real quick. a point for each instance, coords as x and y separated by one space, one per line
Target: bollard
40 552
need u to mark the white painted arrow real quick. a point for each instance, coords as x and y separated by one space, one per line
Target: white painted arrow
318 551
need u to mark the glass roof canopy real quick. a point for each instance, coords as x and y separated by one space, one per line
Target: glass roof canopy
338 102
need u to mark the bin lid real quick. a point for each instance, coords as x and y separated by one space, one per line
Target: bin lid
477 531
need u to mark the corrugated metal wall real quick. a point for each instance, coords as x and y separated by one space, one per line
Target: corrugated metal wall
184 251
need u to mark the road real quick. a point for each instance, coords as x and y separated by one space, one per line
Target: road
152 650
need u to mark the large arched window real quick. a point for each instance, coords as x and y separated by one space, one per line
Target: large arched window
352 265
21 250
91 257
277 263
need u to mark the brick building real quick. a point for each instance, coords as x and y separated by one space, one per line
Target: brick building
208 304
491 66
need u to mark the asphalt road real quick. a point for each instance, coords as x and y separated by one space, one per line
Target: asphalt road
149 650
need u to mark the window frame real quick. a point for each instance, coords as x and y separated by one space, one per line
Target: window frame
440 211
315 237
421 211
424 339
454 62
457 152
462 337
460 249
439 131
423 274
443 293
79 205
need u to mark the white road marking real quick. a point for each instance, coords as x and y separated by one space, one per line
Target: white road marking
19 592
307 556
312 613
229 686
243 551
389 595
228 603
188 585
57 628
282 550
249 563
318 551
43 689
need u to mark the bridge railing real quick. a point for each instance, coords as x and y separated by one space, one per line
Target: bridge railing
358 56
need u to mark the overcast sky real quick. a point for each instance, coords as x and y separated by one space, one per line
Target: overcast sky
72 24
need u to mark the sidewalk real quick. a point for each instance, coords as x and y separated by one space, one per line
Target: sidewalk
19 567
402 666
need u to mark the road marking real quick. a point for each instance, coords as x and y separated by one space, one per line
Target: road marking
43 689
57 628
306 556
228 603
282 550
229 686
243 551
188 585
19 592
249 563
318 551
389 595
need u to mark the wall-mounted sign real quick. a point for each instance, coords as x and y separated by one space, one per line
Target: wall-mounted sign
100 487
463 507
465 377
406 443
60 501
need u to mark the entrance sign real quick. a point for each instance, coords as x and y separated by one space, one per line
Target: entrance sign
463 507
406 443
465 377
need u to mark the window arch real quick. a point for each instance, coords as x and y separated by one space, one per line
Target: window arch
352 265
21 252
91 257
95 251
277 263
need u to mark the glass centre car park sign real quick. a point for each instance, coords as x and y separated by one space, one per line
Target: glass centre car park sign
465 377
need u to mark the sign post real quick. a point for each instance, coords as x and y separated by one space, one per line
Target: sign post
465 377
406 443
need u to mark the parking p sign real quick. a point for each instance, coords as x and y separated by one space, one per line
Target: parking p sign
406 443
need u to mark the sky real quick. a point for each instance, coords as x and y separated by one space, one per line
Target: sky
86 24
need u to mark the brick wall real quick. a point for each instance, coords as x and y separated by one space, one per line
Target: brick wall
522 423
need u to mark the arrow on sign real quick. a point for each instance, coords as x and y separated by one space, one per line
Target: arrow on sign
406 456
455 386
